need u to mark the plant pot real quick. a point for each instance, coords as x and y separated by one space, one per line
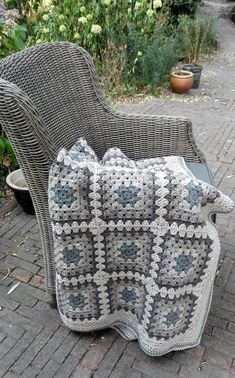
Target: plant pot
16 181
196 69
181 81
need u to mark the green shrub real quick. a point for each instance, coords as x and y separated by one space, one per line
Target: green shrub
149 60
92 24
134 43
188 7
12 39
12 35
197 36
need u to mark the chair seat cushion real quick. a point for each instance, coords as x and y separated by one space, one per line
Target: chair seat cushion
134 247
201 172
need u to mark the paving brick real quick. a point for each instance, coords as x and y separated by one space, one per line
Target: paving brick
186 372
49 369
7 281
223 313
165 362
11 330
9 247
82 372
31 352
15 352
209 370
184 358
233 368
66 347
37 316
82 345
106 338
20 321
10 225
6 345
93 356
132 373
21 275
48 350
68 367
218 359
221 346
34 292
8 303
228 305
152 370
217 322
38 281
2 337
123 365
20 222
196 352
20 263
28 226
224 272
31 373
111 358
10 375
224 335
18 295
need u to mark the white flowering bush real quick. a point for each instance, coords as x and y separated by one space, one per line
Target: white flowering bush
93 24
134 43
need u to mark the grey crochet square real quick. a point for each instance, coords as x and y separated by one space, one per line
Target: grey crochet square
127 195
128 251
172 316
128 296
134 247
183 260
76 255
79 302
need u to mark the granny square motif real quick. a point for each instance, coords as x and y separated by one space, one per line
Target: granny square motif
134 246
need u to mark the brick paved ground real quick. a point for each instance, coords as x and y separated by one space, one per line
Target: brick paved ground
33 343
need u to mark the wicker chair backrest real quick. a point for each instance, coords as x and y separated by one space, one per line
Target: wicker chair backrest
61 82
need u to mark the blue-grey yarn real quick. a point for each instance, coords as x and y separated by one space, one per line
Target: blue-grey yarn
134 246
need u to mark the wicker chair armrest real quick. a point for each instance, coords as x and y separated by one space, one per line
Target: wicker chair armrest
34 152
144 136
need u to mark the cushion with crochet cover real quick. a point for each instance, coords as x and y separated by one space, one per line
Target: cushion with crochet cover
134 246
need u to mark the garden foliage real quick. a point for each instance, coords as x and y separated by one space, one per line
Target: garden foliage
134 43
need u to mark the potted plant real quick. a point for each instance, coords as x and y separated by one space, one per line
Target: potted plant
16 181
181 81
196 69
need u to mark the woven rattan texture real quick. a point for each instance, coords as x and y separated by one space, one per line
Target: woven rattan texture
49 97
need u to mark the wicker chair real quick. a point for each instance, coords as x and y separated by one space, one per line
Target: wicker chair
49 97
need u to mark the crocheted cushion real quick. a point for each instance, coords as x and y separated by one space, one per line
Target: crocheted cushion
134 247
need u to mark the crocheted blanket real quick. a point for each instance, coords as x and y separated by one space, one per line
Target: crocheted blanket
134 246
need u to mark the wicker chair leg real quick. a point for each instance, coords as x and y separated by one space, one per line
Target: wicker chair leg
51 300
42 213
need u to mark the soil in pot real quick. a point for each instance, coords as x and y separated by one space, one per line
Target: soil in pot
16 181
181 81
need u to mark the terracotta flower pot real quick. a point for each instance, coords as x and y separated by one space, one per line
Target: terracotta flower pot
181 81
